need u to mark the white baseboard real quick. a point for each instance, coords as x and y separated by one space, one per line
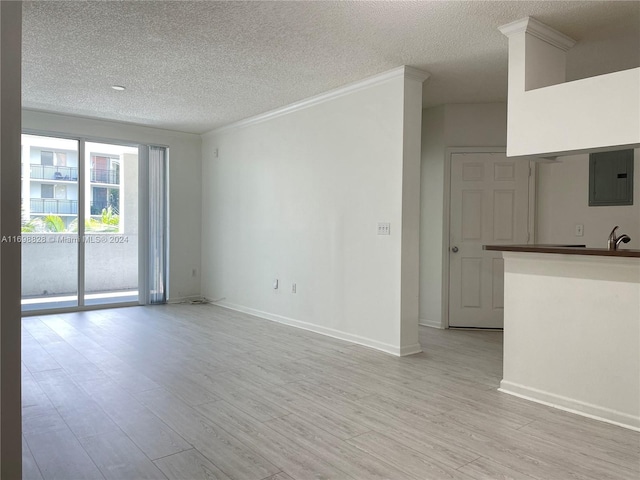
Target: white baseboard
330 332
430 323
410 350
571 405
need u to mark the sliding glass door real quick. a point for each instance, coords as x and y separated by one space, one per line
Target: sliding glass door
111 224
50 200
79 223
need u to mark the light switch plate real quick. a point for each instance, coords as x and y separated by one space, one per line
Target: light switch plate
579 230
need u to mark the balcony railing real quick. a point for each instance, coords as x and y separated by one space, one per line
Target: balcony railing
50 172
53 206
97 207
110 176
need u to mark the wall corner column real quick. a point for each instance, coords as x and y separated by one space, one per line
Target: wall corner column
537 55
537 59
410 257
10 284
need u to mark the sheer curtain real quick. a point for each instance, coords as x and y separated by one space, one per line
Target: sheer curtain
157 274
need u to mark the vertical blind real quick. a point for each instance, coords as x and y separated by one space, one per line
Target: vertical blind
157 225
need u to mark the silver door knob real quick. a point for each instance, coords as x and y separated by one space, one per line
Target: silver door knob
454 249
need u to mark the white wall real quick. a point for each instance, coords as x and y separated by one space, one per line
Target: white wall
448 126
588 114
563 202
297 198
184 184
548 117
572 333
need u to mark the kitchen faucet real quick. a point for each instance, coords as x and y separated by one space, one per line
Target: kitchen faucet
614 242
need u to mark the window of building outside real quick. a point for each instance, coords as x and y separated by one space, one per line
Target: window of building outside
46 158
46 191
61 192
60 159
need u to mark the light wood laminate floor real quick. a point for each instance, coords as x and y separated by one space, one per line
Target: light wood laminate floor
200 392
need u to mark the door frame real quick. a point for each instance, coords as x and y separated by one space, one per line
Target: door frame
143 206
446 234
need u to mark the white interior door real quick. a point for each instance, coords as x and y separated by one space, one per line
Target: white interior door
489 206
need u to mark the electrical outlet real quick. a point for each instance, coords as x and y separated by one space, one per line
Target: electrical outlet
293 288
579 230
384 228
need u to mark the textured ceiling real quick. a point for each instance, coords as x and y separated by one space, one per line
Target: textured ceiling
195 66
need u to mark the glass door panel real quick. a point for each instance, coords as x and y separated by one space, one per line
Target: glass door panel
49 222
110 223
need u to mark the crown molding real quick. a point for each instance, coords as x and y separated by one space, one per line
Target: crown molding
539 30
403 71
415 73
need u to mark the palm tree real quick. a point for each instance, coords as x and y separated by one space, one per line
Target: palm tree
32 225
53 223
108 223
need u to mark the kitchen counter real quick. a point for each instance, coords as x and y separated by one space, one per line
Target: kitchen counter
572 329
565 250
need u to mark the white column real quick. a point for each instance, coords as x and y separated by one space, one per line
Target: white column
537 55
10 126
410 256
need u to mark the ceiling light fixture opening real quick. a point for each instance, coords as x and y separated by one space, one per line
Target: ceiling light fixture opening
118 87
